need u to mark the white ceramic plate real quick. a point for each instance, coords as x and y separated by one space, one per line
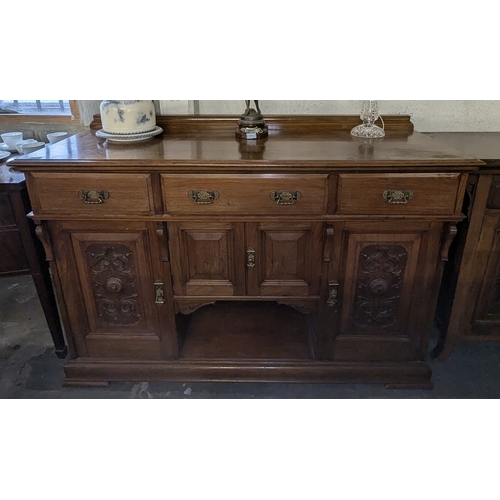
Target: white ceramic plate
31 148
3 147
4 154
23 143
129 137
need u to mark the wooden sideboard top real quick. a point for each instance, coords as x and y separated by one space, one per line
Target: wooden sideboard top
208 143
482 145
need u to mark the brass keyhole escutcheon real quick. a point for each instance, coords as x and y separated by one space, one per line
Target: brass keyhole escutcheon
333 293
159 293
250 257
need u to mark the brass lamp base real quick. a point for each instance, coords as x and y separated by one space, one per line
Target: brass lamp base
251 129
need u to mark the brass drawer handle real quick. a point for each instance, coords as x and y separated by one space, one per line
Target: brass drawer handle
250 257
93 197
203 197
397 197
286 197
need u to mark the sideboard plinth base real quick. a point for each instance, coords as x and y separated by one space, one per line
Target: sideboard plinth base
409 375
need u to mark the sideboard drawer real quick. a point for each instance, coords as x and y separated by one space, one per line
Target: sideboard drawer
93 194
400 194
245 194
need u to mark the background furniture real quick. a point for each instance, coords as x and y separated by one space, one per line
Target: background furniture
470 296
20 250
309 256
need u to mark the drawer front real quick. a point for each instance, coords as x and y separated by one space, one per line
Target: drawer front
400 194
91 194
245 194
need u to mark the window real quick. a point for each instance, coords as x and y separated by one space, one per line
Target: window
55 111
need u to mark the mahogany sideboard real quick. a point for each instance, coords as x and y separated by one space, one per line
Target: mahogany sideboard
308 256
21 252
470 296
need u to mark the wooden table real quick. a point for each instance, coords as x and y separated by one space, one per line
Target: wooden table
310 256
470 297
21 252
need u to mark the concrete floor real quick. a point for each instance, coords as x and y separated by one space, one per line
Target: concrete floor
30 369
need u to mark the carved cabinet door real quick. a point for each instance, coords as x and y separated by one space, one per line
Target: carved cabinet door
119 304
381 291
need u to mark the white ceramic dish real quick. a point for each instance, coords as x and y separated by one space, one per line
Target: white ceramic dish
55 137
30 148
4 147
3 155
20 144
123 138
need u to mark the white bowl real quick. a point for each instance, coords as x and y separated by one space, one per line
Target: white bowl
56 137
33 146
11 139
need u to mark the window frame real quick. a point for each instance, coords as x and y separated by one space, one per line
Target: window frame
41 118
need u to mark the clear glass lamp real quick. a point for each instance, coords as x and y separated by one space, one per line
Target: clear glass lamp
369 115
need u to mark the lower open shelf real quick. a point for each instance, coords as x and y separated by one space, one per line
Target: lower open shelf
239 331
247 342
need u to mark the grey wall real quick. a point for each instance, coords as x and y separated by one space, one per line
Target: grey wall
428 116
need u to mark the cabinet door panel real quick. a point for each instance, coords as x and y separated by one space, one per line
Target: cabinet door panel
13 257
378 269
384 277
487 315
7 217
287 259
111 303
12 254
208 259
113 271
